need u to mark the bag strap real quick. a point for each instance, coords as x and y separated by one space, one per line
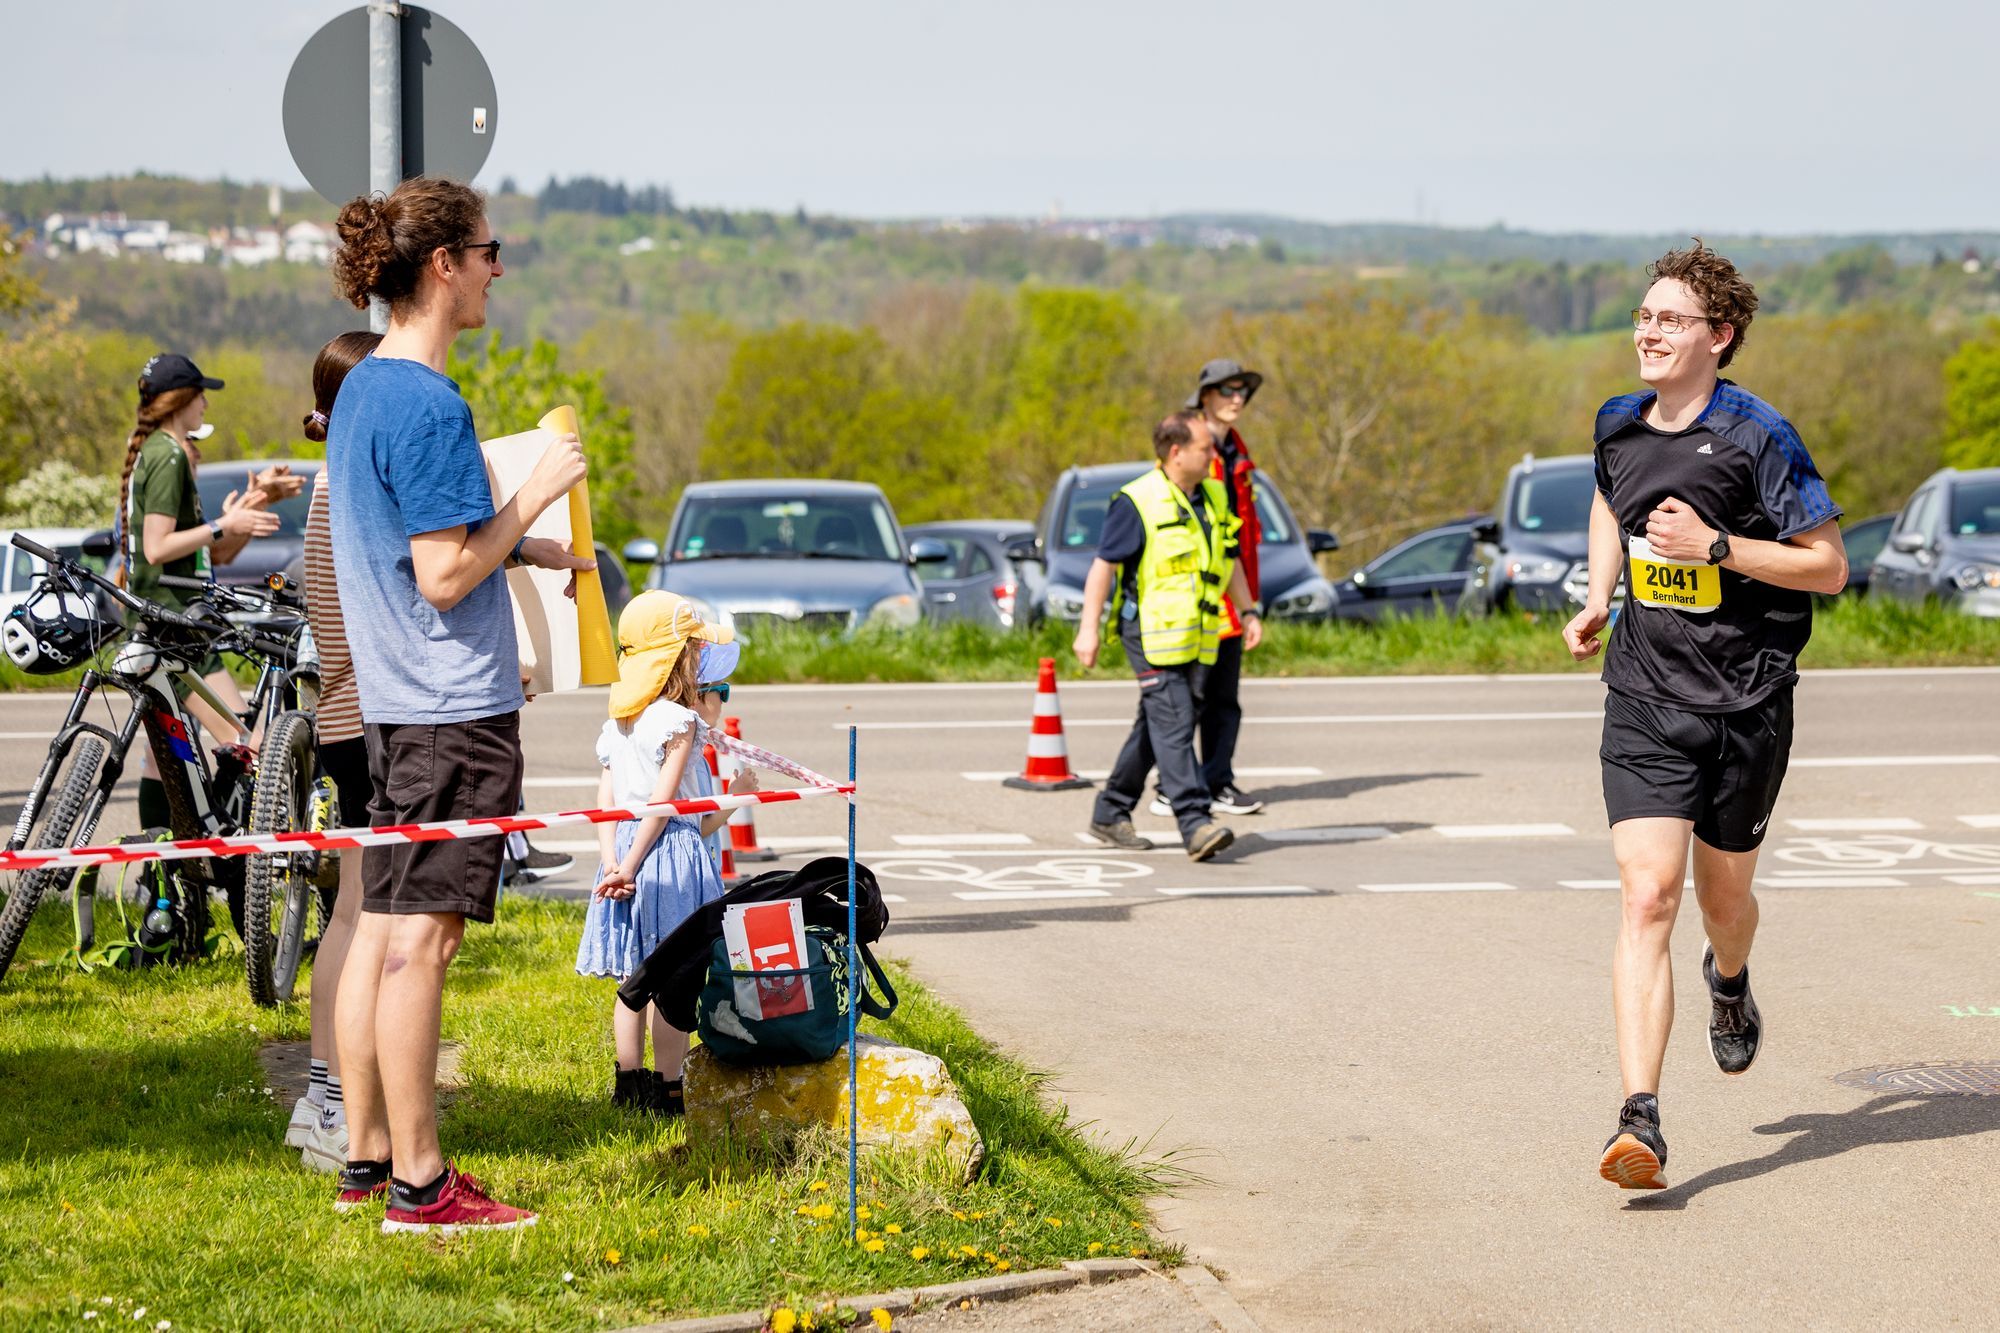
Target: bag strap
871 1006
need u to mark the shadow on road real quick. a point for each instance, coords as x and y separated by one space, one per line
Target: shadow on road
1894 1118
1339 789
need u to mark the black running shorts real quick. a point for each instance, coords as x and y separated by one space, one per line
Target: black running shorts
346 762
422 774
1721 770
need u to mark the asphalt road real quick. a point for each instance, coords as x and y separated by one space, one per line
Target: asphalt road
1378 1027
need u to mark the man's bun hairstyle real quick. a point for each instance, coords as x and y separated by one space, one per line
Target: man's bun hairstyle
1727 295
386 242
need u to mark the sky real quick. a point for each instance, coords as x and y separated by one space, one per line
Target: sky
1553 115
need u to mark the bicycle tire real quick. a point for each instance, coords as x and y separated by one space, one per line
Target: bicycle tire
281 803
63 812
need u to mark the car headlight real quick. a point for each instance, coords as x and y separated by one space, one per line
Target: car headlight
1973 577
1314 597
1535 570
1064 602
899 611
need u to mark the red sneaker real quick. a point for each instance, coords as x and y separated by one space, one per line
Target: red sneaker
361 1187
462 1205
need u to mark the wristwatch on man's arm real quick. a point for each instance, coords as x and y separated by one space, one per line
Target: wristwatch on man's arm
1718 550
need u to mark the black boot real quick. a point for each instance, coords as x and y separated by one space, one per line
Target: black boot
632 1089
667 1098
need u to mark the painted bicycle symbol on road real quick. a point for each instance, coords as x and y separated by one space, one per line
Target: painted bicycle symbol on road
1057 872
1882 851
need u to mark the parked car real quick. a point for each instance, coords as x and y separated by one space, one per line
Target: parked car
1864 540
826 555
1946 544
260 556
978 581
1073 519
19 571
1424 576
1533 553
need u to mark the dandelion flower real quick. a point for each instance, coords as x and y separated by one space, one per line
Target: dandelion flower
804 1211
1138 1253
68 1207
1002 1266
920 1252
862 1233
892 1230
613 1258
1096 1246
873 1246
881 1318
784 1321
697 1229
822 1211
817 1187
969 1251
864 1212
1053 1221
958 1213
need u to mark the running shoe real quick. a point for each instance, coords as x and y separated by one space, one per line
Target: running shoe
1161 808
462 1205
304 1116
360 1185
1637 1153
325 1146
540 865
1233 800
1207 840
1735 1028
1120 833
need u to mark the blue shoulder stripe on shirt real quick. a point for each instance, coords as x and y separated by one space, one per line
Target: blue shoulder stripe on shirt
1734 400
1617 412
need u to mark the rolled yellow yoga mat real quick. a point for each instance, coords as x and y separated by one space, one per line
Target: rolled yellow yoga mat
596 650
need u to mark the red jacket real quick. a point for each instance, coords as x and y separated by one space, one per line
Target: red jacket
1244 501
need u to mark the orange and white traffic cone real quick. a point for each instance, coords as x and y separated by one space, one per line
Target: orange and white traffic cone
729 877
1048 767
742 824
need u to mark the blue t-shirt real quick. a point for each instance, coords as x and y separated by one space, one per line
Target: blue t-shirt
404 460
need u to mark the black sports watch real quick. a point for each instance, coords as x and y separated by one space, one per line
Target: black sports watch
1718 550
215 528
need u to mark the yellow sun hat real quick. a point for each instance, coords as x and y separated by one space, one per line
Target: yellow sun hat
652 630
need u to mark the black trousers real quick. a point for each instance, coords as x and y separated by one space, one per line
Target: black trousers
1221 715
1162 737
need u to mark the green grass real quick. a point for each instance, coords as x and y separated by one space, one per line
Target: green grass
140 1160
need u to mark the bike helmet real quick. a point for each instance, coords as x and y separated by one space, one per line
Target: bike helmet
54 631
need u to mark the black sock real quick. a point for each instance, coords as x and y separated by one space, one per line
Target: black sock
363 1175
154 812
420 1195
1732 988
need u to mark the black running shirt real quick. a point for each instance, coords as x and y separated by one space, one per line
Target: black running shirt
1742 468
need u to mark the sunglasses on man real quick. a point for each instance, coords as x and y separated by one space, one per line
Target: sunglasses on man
492 249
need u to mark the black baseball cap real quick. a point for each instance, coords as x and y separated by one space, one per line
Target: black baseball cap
171 370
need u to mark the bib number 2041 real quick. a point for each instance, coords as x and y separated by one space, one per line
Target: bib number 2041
1676 584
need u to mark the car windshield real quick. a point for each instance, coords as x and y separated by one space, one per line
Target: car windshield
782 527
1975 508
218 478
1554 501
1864 541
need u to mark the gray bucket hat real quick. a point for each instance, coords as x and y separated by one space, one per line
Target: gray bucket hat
1221 372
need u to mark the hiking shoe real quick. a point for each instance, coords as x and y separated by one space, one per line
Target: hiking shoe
1233 800
361 1183
669 1100
632 1089
540 865
1637 1153
1207 840
325 1148
1120 834
1735 1028
304 1117
462 1205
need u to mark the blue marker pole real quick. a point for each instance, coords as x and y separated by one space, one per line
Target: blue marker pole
854 984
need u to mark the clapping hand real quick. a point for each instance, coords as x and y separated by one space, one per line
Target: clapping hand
274 483
243 517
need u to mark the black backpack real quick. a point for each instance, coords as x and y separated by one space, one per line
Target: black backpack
671 977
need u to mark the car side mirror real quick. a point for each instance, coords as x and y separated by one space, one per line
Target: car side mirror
1319 541
1024 548
929 551
1909 543
1486 531
641 551
100 545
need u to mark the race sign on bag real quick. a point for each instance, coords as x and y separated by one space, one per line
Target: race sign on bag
766 937
1683 585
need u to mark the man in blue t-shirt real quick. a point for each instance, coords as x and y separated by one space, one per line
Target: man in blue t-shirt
417 552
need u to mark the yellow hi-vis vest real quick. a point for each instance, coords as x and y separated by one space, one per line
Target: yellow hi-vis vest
1182 575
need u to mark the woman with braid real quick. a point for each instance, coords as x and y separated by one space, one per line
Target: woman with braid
160 528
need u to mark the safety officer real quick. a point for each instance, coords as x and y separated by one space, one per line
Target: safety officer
1167 555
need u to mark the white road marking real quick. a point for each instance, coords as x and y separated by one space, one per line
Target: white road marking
1330 833
960 839
1886 825
1011 895
1972 880
1300 720
1169 843
894 898
1897 761
1099 774
1239 890
1505 830
1832 882
1980 821
1464 886
559 782
50 735
1786 876
801 843
1607 883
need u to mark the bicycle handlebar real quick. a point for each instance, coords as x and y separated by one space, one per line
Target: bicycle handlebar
146 609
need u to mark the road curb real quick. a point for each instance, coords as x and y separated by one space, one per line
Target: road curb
1213 1297
1013 1286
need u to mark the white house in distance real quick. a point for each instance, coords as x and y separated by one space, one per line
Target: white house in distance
309 243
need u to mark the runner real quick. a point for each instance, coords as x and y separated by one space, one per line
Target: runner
1713 509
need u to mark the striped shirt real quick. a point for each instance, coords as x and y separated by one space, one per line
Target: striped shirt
339 698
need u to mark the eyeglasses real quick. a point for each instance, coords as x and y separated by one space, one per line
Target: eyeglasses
492 249
1671 321
720 690
1234 391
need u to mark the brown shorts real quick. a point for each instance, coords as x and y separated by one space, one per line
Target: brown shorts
422 774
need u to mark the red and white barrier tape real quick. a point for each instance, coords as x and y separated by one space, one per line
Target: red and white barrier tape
254 844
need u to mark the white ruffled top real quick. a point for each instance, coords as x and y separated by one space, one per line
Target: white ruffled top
633 754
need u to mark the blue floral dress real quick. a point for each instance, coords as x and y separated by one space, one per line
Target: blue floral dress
679 874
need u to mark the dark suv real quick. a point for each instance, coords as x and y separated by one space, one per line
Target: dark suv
1946 544
1533 553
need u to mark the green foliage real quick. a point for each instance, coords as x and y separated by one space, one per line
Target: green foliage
1972 401
510 388
56 495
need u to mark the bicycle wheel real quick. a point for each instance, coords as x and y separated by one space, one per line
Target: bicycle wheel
278 890
59 816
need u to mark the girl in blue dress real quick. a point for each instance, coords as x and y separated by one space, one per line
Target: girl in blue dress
654 873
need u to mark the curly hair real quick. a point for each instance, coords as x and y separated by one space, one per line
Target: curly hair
330 368
386 242
1726 295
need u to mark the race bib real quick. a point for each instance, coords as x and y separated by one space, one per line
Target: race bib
1680 584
